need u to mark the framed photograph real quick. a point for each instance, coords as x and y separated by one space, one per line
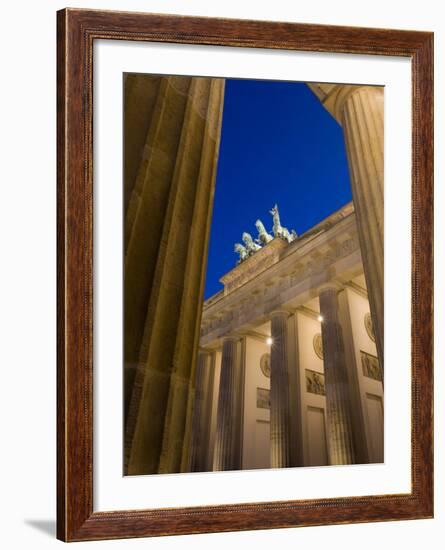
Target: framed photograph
244 275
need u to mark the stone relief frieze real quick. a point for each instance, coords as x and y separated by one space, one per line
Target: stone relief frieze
315 382
371 366
262 398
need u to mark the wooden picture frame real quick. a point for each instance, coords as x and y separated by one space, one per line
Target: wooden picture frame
77 31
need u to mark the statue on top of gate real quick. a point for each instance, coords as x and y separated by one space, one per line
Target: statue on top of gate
263 236
279 230
252 246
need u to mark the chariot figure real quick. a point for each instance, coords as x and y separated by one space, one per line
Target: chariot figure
250 245
278 229
241 250
263 236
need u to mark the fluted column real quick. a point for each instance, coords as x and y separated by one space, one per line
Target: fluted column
361 443
363 128
338 403
199 443
280 414
360 110
152 158
227 454
167 229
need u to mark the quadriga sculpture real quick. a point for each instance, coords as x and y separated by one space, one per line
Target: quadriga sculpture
250 245
263 236
241 250
278 229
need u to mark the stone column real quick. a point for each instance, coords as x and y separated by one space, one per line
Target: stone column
227 454
158 125
361 443
167 230
338 403
280 414
360 110
295 392
200 429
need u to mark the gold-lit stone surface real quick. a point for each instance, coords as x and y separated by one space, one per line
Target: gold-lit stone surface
147 199
166 234
360 111
184 411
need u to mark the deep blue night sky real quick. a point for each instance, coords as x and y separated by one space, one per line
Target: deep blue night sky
278 145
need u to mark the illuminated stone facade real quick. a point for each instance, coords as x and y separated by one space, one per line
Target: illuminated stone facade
197 395
300 308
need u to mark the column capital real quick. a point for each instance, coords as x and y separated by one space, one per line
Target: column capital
332 285
280 313
230 338
334 96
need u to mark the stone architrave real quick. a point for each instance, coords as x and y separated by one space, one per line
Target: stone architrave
360 111
338 401
167 229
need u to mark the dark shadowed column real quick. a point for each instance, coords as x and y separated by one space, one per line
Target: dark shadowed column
200 430
338 403
227 454
280 414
